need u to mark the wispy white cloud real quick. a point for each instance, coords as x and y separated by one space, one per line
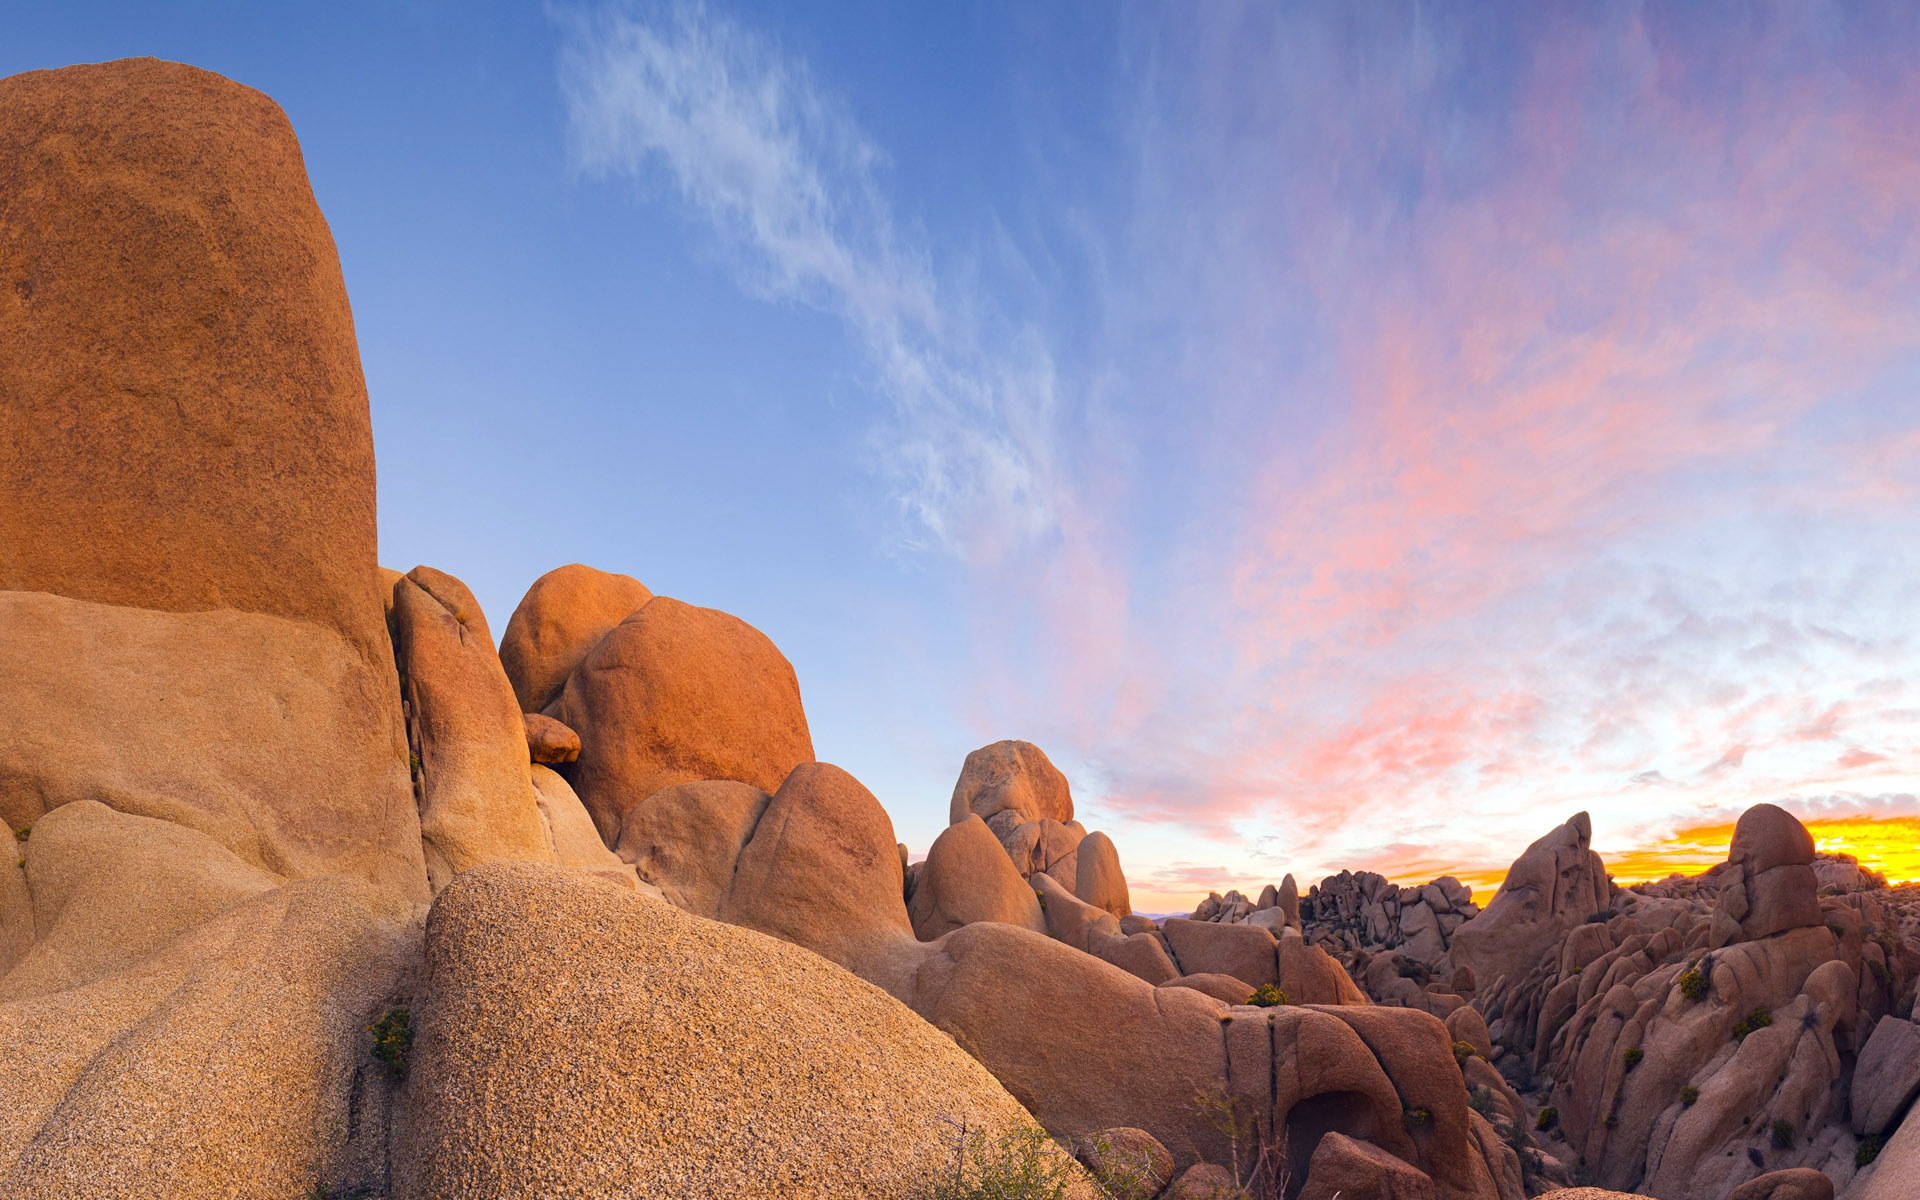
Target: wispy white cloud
683 99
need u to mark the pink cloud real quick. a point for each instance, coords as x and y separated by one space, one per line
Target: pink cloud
1640 323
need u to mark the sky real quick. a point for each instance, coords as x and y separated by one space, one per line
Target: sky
1343 436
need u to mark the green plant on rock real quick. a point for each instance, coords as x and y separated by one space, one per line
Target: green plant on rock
1269 995
1462 1051
1867 1150
1693 985
1548 1118
1631 1056
1417 1118
1480 1100
1782 1131
1759 1018
21 834
392 1039
1688 1095
1880 972
1021 1164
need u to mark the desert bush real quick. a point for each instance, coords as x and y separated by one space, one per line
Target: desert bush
1417 1118
1867 1150
1759 1018
1689 1094
1021 1164
1481 1101
1631 1056
1782 1131
392 1039
1548 1118
1256 1159
1462 1051
1268 995
1693 985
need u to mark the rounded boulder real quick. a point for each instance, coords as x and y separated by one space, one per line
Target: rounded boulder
563 615
676 694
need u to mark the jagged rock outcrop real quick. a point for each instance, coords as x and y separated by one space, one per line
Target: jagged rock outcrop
1393 937
1682 1065
1555 885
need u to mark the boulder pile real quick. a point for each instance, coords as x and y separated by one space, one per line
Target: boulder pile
317 893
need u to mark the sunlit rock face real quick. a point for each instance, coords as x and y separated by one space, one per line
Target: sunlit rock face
191 610
1555 885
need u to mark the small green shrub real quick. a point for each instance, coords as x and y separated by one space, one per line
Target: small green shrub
1021 1164
1867 1150
413 765
1576 970
1268 995
1693 985
1631 1056
1688 1095
392 1039
1462 1051
1759 1018
21 834
1417 1117
1548 1118
1880 972
1782 1130
1480 1100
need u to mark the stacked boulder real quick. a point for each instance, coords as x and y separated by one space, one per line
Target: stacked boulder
1028 806
1389 942
1085 1045
240 759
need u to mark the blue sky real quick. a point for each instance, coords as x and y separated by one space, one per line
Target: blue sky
1351 435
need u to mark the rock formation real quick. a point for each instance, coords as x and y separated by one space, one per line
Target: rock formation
191 604
1558 883
563 615
574 1039
316 893
678 694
